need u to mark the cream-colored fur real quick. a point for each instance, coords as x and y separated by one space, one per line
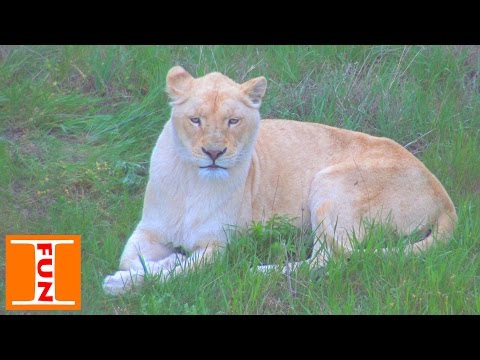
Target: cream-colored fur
329 178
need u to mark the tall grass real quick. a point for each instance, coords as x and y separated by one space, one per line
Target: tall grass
78 124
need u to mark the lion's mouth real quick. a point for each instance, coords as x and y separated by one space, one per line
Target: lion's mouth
213 167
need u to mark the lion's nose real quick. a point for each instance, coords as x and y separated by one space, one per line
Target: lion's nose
214 154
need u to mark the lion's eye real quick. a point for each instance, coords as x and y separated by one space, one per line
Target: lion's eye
195 120
233 121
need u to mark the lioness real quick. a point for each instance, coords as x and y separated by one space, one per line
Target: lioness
217 164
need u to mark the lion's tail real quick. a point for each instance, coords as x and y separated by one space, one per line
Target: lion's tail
441 232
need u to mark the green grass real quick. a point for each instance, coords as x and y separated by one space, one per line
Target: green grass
78 124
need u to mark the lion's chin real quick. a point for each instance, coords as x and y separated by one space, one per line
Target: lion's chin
214 173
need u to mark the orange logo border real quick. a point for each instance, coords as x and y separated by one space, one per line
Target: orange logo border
69 272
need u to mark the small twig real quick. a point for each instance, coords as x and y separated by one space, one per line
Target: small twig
80 71
36 75
404 71
414 141
251 68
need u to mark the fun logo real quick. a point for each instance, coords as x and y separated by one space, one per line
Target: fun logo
43 272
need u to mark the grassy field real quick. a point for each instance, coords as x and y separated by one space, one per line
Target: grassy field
78 124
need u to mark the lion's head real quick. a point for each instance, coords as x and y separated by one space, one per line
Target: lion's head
215 120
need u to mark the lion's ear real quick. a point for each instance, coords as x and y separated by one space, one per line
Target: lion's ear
255 89
178 82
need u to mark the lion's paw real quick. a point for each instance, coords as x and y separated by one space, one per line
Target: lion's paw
120 282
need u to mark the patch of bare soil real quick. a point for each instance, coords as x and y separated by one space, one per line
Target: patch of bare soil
19 136
69 138
32 149
15 133
17 187
78 81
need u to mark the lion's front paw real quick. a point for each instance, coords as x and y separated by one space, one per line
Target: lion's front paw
121 282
